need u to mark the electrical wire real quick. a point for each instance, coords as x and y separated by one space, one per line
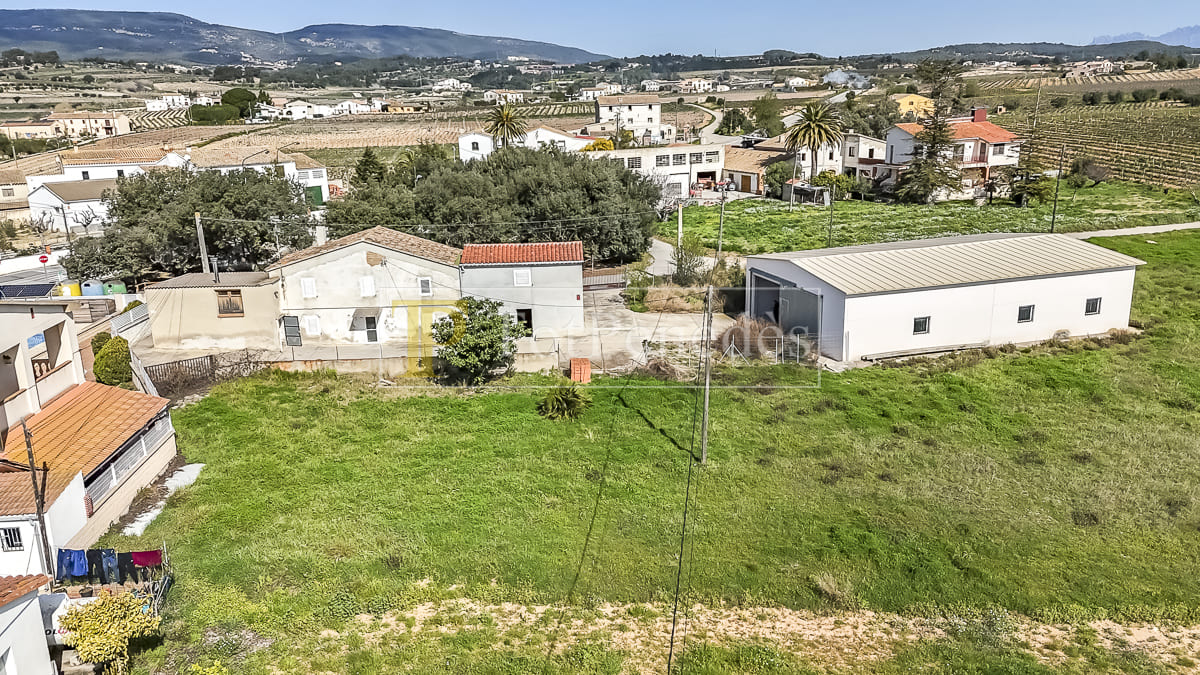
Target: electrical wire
214 219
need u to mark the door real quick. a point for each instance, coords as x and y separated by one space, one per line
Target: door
372 328
525 318
745 183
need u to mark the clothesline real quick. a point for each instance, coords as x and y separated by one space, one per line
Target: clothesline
107 565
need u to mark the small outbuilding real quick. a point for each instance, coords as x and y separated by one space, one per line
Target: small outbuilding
912 297
228 310
541 284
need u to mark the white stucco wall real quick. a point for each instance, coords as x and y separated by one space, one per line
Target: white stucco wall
28 560
555 296
23 649
45 205
678 177
831 322
338 277
987 313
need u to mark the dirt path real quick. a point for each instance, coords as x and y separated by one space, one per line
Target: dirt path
838 641
1148 229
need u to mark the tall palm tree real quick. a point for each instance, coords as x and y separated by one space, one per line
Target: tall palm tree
818 126
506 124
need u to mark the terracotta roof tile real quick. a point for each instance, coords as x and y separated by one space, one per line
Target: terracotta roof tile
13 588
74 433
132 156
380 236
750 160
985 131
544 252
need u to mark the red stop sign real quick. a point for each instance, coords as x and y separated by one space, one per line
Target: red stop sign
43 259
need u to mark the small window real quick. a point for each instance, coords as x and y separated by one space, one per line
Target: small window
697 157
229 303
635 162
1092 306
475 145
998 149
10 539
660 160
522 277
870 153
921 325
426 286
712 157
318 173
10 192
86 175
525 318
850 150
120 173
291 331
1025 314
679 159
366 285
831 154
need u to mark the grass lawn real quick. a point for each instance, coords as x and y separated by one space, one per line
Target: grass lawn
1058 482
765 226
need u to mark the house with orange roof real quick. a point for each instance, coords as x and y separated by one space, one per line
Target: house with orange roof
981 147
541 284
73 454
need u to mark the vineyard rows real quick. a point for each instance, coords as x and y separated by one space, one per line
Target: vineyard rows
146 120
1149 79
1153 144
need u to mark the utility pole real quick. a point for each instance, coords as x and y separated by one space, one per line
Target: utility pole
707 349
832 195
1057 180
39 502
679 227
203 249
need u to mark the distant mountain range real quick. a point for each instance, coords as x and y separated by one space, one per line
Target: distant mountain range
1188 36
1014 51
162 36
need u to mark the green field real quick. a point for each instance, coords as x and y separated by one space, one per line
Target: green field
1058 482
762 226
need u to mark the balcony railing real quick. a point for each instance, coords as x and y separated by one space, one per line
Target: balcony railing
107 481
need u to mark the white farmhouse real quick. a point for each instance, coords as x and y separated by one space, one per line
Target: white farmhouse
591 93
374 286
696 85
75 204
501 96
451 84
829 158
352 107
540 284
651 85
902 298
677 167
639 113
980 148
862 155
477 144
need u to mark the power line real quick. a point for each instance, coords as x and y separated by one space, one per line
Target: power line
446 225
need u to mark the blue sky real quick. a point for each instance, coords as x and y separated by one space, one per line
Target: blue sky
631 27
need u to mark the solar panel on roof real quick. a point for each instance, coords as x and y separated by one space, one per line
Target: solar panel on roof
25 290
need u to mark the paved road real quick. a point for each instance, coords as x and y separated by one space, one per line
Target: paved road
709 133
35 276
1148 229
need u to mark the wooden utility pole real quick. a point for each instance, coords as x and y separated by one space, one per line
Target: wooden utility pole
39 500
707 349
203 249
1062 153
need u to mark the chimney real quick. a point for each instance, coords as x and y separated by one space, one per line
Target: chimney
979 114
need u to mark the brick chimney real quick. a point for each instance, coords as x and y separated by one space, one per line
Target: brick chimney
979 114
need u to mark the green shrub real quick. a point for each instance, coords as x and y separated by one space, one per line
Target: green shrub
98 342
564 402
135 303
112 363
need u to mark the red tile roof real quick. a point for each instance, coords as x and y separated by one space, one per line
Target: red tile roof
500 254
985 131
74 434
13 588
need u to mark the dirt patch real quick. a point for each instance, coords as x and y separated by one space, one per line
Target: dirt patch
150 496
839 641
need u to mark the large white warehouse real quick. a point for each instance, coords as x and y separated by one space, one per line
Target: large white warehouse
900 298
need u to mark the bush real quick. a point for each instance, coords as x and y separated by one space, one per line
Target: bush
1116 96
101 630
1060 101
564 402
1093 98
98 342
214 114
135 303
112 363
1143 95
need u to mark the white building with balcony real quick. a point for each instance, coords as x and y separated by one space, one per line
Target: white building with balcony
639 113
676 167
100 445
981 147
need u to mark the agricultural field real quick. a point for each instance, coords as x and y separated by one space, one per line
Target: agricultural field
145 120
1148 143
764 226
1158 79
981 513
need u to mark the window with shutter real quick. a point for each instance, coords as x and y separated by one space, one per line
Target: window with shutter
229 303
522 277
312 324
426 285
367 286
308 287
291 331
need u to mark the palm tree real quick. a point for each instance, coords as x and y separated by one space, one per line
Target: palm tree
505 124
818 126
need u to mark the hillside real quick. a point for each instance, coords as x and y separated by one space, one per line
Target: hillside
1008 51
1188 35
165 36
